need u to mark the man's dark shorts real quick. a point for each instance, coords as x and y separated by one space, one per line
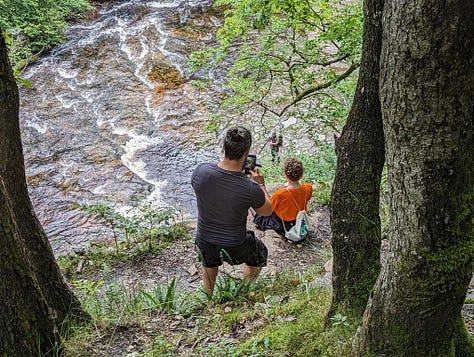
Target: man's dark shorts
251 252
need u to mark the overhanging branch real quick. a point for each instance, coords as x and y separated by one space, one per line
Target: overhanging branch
305 94
312 90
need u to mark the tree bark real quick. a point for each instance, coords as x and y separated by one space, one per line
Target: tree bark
36 300
355 220
426 88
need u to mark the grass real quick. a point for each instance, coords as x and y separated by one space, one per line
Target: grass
279 315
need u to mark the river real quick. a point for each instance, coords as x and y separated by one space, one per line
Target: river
112 113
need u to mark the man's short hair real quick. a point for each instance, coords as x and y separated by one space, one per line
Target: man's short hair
237 142
293 168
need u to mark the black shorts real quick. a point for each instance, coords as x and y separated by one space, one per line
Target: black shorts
251 252
272 222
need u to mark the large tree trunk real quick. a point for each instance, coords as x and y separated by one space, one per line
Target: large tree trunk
36 300
426 88
355 220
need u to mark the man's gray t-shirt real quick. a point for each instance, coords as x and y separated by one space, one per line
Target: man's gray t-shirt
223 200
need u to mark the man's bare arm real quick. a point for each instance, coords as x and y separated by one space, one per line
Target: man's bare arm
266 209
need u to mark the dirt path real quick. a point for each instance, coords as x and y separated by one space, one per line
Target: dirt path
180 259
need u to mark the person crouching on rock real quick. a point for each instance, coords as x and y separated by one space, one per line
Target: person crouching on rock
224 195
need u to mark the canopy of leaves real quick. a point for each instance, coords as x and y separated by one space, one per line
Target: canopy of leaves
279 54
34 25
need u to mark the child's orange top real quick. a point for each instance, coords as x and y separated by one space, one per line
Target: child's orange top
283 204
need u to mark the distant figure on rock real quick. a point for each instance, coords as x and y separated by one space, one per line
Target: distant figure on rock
224 195
287 201
275 144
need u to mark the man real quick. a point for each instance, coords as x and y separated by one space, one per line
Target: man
275 144
224 196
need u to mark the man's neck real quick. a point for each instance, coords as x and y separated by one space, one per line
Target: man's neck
231 165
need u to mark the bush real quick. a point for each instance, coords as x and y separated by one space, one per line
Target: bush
36 25
142 227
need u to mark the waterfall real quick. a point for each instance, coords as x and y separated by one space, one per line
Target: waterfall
112 112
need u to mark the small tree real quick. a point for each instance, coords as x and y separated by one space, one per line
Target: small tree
284 58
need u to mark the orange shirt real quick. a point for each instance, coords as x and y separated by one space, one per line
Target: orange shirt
283 204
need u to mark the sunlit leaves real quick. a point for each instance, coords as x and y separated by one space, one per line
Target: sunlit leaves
35 25
283 52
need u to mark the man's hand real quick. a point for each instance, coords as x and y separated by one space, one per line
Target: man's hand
266 209
257 176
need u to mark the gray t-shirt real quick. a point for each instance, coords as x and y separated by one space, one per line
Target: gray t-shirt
223 200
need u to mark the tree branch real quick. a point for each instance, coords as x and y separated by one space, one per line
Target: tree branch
303 95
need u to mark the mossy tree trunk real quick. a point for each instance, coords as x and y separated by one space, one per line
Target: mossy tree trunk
426 91
355 220
36 302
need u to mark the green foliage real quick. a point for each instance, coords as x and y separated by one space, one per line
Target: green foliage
118 301
154 222
280 315
87 292
228 288
36 25
292 316
339 320
318 168
97 258
108 213
163 298
322 166
16 72
283 53
142 224
161 347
